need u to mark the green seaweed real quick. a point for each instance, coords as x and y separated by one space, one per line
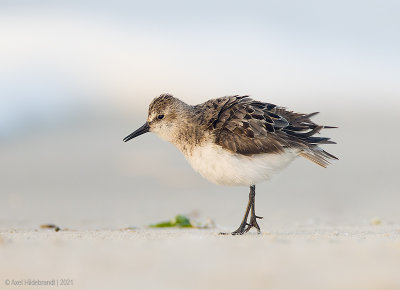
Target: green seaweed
179 221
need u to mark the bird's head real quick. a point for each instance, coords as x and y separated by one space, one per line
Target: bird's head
163 118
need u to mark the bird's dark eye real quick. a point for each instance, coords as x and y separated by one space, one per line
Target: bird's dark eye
159 117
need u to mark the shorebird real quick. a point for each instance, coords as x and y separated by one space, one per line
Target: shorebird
236 140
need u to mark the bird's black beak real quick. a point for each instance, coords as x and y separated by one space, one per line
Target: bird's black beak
144 129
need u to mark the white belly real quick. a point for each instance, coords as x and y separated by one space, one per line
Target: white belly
227 168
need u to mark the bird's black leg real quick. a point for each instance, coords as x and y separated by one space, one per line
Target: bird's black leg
253 217
244 226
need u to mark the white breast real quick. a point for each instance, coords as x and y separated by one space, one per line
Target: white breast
221 166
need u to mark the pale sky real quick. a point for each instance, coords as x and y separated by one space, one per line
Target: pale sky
58 55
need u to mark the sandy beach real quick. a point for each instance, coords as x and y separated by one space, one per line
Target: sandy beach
298 257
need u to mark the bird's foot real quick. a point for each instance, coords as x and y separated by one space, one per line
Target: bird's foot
245 227
254 224
240 231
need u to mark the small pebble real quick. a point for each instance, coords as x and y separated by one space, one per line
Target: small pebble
50 226
376 221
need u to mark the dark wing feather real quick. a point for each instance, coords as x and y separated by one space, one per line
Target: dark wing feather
249 127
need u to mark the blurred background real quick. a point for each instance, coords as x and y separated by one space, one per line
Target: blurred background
77 76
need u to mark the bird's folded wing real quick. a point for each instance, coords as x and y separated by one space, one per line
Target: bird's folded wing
248 127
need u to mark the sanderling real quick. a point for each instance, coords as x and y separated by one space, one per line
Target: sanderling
236 140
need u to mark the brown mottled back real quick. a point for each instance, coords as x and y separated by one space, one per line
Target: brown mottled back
245 126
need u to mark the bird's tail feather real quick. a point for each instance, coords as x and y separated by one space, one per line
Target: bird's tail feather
318 156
